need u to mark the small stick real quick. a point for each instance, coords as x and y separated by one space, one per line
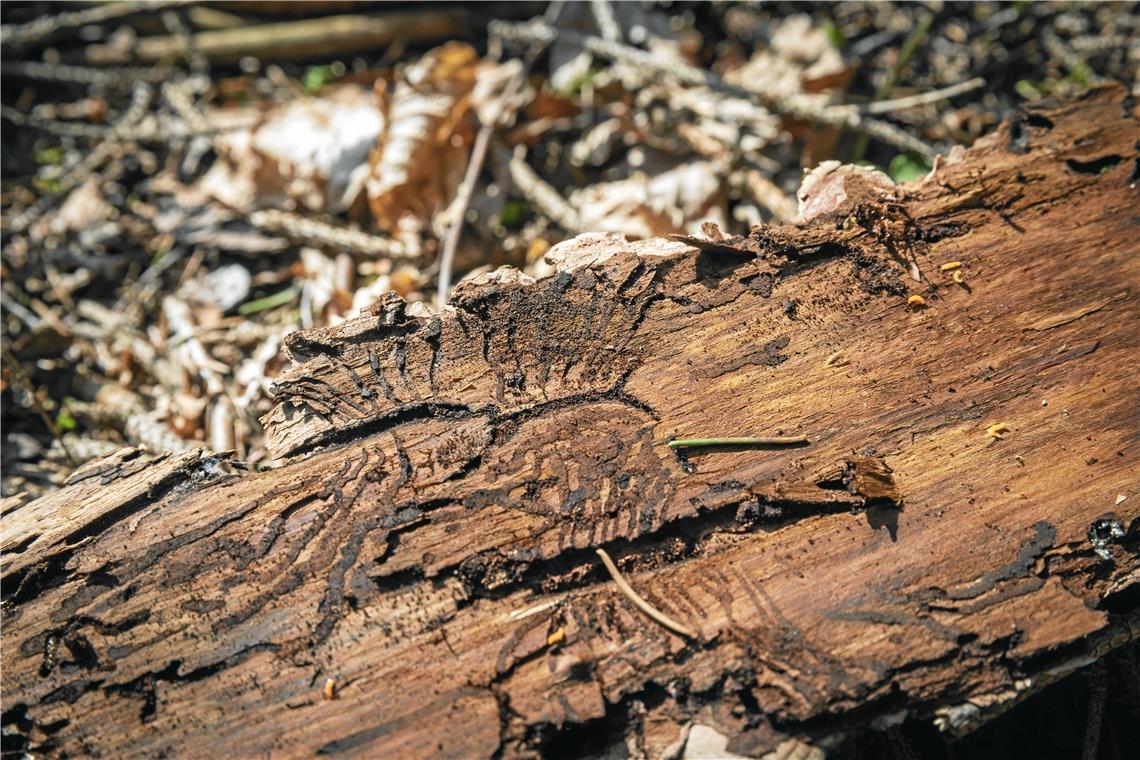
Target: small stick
685 443
467 189
934 96
300 228
525 613
543 195
104 77
331 35
639 602
45 26
604 18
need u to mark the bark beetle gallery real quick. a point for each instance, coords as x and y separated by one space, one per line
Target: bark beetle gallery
422 577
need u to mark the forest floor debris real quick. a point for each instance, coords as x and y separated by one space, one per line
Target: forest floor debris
186 184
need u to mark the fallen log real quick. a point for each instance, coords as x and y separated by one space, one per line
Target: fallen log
422 578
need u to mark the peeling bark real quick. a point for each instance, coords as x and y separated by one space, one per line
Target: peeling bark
430 544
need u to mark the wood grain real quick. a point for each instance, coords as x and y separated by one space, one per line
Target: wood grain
430 544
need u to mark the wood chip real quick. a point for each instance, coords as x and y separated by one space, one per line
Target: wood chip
998 430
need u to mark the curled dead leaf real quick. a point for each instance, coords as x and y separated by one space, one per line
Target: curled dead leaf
419 161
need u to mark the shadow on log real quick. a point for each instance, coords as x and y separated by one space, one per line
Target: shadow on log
421 577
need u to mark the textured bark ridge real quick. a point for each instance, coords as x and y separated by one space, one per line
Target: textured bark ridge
420 579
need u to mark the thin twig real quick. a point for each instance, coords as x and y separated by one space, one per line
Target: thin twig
33 31
604 17
306 38
542 194
794 106
309 230
527 612
55 127
934 96
1071 59
639 602
910 44
467 189
85 75
688 443
768 194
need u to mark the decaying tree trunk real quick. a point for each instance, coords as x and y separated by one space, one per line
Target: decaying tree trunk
421 577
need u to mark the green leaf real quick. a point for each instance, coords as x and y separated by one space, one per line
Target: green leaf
903 168
578 83
1025 89
52 155
64 422
1081 74
47 184
269 302
513 212
317 77
834 34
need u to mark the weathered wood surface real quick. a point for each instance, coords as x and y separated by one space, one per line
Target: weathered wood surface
430 544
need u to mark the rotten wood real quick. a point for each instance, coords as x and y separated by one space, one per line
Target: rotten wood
429 548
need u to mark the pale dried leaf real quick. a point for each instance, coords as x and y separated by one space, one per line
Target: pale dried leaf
84 207
310 153
224 287
491 82
797 54
677 200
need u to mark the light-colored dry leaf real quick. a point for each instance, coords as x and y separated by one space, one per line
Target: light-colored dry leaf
84 208
308 154
798 52
224 287
678 200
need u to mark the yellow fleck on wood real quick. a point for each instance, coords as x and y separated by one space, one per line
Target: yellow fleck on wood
556 637
536 250
998 430
950 265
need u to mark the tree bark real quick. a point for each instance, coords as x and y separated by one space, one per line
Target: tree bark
421 577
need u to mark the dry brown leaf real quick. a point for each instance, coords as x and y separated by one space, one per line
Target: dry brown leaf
419 161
